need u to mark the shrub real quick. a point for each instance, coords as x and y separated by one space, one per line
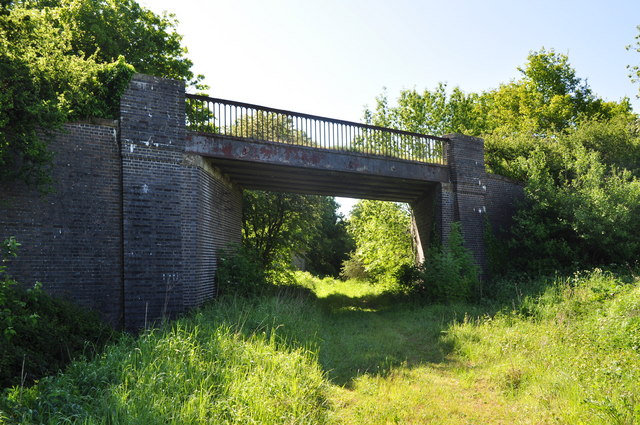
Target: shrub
352 268
240 271
449 274
39 334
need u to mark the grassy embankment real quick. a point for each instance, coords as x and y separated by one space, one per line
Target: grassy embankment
351 353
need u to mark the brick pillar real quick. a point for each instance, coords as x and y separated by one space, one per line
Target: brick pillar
178 211
152 138
463 199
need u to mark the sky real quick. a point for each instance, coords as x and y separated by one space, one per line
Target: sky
332 58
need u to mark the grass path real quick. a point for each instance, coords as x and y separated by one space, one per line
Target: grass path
389 364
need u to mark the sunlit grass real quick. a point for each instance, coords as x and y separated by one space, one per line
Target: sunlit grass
353 353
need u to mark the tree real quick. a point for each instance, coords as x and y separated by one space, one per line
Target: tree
576 153
585 215
549 98
70 59
277 225
382 235
42 86
330 245
635 69
434 112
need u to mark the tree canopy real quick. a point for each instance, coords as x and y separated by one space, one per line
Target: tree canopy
382 235
277 226
62 60
578 155
635 69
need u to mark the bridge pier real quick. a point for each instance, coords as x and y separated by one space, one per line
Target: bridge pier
462 199
177 210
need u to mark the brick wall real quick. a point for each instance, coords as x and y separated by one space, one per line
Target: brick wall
71 237
465 155
177 210
212 219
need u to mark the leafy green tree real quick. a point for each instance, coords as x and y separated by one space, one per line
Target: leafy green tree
108 29
277 225
69 59
330 243
43 85
382 235
514 119
434 112
586 215
576 153
635 69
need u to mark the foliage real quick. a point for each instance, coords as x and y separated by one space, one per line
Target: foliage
240 271
576 153
382 235
39 335
43 85
635 69
218 366
434 112
352 268
449 274
586 215
70 59
515 118
330 244
278 225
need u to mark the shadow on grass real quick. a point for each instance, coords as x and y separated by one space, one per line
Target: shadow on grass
375 334
356 335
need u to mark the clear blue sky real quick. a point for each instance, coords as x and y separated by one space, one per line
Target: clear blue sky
333 57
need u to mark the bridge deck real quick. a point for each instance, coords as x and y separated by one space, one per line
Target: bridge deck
300 169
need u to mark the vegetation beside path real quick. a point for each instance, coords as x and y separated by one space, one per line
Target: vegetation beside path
327 351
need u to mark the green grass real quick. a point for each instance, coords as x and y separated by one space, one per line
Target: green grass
328 351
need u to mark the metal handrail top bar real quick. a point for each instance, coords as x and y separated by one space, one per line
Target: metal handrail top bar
310 116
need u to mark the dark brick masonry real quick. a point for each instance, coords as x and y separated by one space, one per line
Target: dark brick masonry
72 238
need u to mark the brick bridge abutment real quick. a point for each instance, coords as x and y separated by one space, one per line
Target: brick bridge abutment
135 220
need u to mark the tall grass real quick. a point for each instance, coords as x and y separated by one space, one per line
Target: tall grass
197 370
572 354
327 351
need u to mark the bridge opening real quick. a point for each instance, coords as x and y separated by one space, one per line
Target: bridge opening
307 232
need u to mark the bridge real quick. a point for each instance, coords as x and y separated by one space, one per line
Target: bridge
143 206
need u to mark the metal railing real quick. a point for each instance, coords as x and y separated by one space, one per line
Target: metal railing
242 120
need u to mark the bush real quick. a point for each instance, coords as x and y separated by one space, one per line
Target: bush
352 268
586 216
39 334
449 274
240 271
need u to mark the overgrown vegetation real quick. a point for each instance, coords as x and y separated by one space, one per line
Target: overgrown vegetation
64 60
382 236
280 227
40 335
577 154
449 273
329 351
